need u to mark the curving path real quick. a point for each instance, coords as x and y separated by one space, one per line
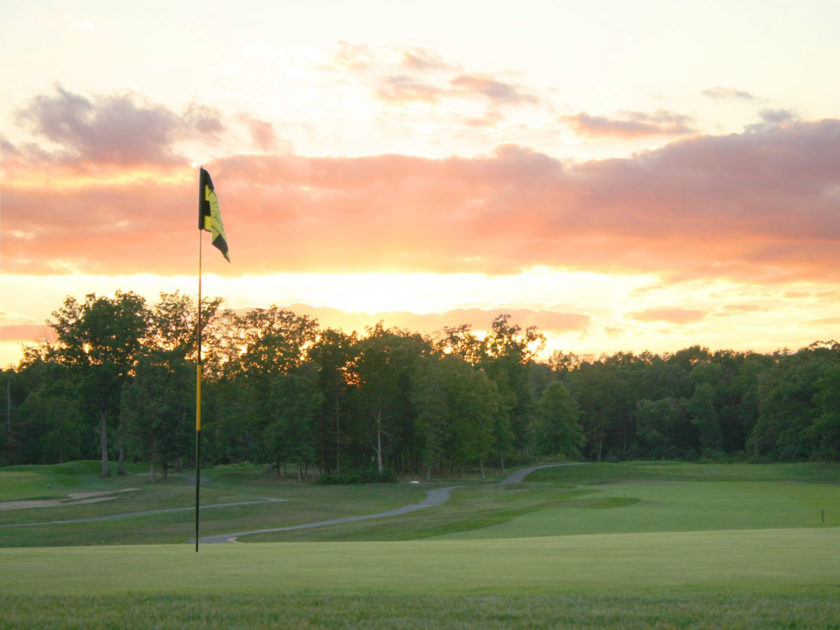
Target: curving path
518 476
433 497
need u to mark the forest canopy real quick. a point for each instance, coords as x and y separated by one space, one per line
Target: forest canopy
118 383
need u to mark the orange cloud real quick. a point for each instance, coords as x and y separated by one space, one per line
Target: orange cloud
430 323
496 91
402 88
421 75
629 125
423 59
26 332
670 315
760 205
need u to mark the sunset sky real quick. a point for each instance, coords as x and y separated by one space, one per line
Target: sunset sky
626 176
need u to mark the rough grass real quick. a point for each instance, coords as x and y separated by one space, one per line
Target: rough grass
686 471
596 498
315 611
305 503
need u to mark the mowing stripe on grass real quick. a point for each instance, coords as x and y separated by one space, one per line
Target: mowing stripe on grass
121 515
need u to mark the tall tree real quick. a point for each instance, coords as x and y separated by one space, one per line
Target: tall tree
332 354
826 428
598 391
382 371
155 407
508 352
100 340
559 431
289 433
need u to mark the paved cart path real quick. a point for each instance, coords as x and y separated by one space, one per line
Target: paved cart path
433 497
518 476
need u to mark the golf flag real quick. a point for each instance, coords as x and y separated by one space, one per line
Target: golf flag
209 215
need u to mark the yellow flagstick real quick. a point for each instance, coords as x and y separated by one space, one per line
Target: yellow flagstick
198 398
209 219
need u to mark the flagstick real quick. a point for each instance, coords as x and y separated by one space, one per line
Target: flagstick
198 398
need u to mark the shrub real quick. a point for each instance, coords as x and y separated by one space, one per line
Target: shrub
358 475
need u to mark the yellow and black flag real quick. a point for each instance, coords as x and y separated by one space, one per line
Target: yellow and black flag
209 215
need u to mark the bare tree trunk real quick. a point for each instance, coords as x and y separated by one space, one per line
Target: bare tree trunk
103 443
337 435
152 460
121 457
481 463
379 441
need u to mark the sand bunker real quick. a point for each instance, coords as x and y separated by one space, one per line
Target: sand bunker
74 498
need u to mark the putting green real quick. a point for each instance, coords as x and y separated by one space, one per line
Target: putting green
649 506
783 561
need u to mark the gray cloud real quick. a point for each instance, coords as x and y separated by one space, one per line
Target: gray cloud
492 89
629 124
117 129
730 93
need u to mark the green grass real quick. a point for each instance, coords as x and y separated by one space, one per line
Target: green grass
651 506
55 481
615 498
783 561
320 611
491 612
305 503
760 578
634 545
595 498
686 471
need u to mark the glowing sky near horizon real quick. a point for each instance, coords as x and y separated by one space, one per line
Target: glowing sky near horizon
628 176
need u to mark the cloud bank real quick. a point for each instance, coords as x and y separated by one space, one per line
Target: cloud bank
761 205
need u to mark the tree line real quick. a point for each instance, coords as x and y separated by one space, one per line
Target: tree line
118 383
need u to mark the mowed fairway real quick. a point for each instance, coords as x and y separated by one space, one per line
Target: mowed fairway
758 555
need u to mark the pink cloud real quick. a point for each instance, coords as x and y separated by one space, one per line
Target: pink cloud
755 205
262 133
629 125
492 89
422 59
477 319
